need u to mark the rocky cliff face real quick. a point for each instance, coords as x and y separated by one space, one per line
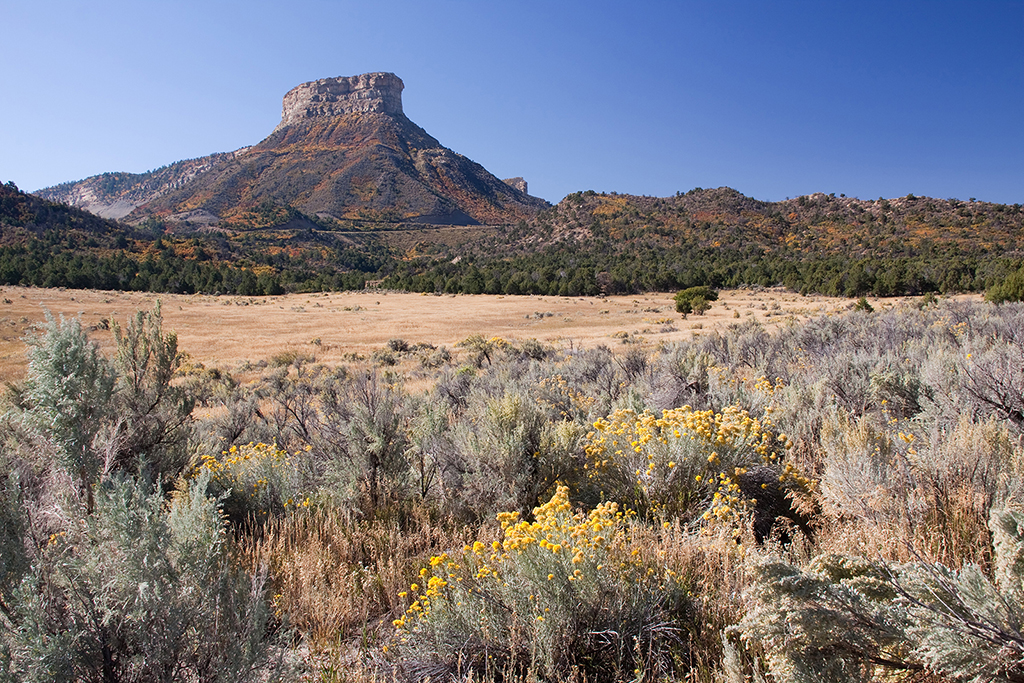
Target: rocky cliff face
344 149
518 182
378 93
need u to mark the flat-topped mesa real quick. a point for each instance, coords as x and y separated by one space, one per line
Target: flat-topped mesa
378 92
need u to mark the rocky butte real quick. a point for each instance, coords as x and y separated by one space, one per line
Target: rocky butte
379 93
344 149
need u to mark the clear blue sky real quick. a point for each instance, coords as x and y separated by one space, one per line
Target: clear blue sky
775 99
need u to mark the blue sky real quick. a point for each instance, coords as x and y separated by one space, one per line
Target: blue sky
775 99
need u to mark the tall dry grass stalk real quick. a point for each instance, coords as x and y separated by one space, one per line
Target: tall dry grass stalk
335 577
713 566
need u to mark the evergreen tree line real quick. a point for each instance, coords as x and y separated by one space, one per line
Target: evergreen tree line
35 264
580 270
585 272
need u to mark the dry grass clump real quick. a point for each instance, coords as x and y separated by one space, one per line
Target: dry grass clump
337 578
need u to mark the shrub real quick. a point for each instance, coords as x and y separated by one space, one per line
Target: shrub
15 556
933 487
153 417
567 592
594 373
531 348
140 590
435 358
863 305
865 470
385 357
847 619
369 464
296 357
991 374
255 482
66 398
683 463
398 345
695 300
831 622
509 455
680 376
480 348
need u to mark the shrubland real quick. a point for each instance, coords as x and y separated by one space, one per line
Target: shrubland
835 500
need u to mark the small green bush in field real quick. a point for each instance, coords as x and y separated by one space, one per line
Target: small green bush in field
863 305
567 592
695 300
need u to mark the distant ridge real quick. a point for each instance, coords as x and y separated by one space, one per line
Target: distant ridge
344 150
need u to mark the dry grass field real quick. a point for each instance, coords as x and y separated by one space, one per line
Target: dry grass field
226 331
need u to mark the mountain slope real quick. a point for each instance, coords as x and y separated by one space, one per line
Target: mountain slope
344 151
116 195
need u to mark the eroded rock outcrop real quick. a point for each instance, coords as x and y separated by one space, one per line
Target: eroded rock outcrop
518 182
377 92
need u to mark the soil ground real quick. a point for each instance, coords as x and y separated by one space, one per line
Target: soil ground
228 331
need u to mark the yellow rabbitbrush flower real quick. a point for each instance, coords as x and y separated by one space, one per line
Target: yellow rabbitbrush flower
669 465
548 577
258 480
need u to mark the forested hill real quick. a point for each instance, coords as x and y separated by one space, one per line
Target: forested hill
594 242
814 225
23 216
588 244
48 244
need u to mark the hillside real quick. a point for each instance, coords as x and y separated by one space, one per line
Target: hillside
116 195
611 243
24 215
815 224
344 150
588 244
48 244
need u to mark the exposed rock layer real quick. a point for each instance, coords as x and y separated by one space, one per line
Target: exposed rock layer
379 93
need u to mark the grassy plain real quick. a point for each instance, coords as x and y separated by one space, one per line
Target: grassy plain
227 331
